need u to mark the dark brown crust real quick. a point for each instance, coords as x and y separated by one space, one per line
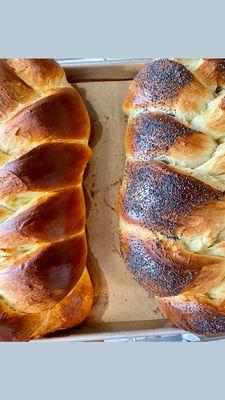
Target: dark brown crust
50 166
157 196
70 311
162 80
50 219
153 134
16 326
194 313
44 278
61 115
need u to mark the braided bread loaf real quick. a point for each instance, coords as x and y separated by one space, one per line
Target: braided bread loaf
172 199
44 131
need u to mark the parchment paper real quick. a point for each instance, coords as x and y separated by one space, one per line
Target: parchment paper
117 296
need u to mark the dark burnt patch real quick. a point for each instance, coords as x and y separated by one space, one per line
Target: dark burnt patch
163 79
157 196
152 134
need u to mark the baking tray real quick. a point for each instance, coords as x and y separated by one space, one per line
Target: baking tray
122 310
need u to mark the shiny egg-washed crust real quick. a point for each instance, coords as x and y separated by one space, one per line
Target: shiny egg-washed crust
44 132
172 199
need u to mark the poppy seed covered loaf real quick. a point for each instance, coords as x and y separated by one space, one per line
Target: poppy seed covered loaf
172 199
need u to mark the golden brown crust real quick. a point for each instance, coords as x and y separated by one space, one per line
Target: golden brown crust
209 71
40 280
50 166
38 73
49 219
72 310
13 91
171 205
213 119
60 115
16 326
44 284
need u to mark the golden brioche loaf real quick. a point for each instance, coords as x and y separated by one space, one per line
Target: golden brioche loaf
172 199
44 132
